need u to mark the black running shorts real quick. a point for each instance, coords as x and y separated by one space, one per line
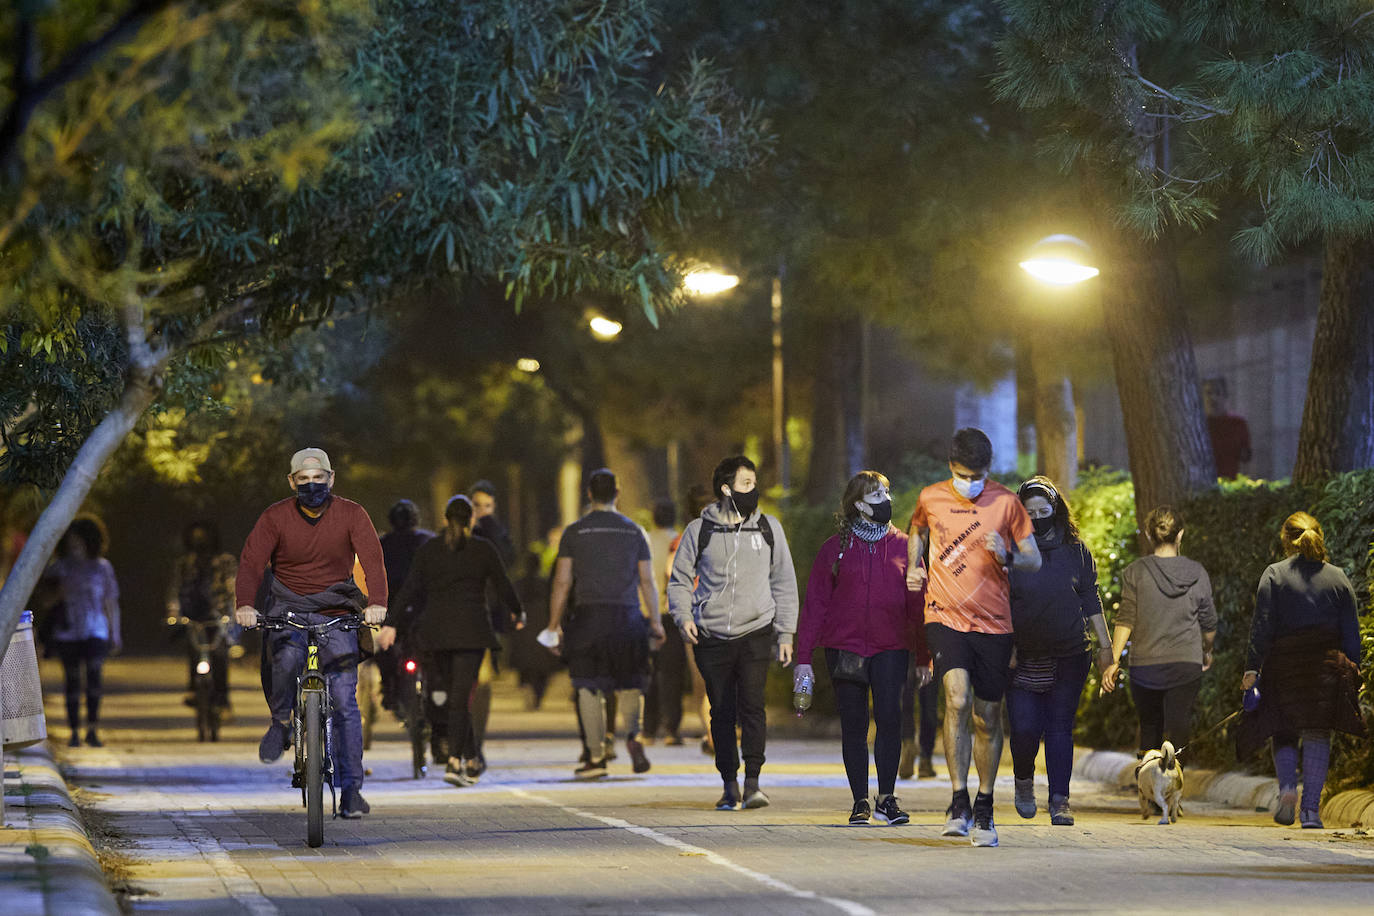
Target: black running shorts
985 656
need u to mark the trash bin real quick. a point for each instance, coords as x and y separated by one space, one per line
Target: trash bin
21 693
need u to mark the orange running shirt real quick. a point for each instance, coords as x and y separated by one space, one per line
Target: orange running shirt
967 590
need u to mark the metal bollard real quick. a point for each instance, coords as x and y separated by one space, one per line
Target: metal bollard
21 693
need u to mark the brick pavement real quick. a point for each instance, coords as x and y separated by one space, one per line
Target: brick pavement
206 829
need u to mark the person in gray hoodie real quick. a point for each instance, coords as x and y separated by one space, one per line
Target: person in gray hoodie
1168 615
733 594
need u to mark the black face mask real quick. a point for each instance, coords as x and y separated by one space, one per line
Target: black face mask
745 503
312 495
882 512
1044 527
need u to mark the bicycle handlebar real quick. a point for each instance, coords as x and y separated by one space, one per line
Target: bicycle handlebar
344 622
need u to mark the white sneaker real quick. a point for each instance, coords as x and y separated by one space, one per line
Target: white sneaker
983 833
956 821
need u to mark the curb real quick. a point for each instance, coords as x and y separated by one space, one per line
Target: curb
47 863
1352 808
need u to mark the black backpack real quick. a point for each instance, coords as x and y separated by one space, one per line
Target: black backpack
709 528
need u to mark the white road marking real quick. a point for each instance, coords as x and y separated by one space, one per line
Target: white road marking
237 882
715 858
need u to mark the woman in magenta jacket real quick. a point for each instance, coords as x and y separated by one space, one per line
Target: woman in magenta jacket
859 610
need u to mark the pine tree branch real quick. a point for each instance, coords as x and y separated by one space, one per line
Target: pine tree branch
1160 91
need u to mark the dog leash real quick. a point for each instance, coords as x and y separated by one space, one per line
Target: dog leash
1179 752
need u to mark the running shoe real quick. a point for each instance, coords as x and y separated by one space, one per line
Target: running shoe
592 769
639 762
1061 815
1311 820
957 818
906 765
861 814
274 743
1025 797
475 766
456 775
756 799
729 799
353 805
1288 803
888 811
983 832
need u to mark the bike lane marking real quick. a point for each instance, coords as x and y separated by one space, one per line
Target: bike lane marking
845 906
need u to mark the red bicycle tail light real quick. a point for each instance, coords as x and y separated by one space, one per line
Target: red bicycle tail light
410 666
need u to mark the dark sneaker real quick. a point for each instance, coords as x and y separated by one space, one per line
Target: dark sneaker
1288 803
1025 797
906 764
92 739
888 811
957 818
983 832
926 770
1311 820
353 806
475 766
456 775
593 769
638 760
76 742
274 743
672 741
729 799
1061 815
756 799
859 817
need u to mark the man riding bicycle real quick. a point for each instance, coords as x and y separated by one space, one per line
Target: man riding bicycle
310 542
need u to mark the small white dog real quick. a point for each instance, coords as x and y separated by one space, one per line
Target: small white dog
1159 776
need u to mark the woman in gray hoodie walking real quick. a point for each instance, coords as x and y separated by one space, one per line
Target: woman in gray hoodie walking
1168 616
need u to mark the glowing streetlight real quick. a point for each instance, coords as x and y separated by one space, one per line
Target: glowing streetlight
706 282
604 328
525 364
1060 260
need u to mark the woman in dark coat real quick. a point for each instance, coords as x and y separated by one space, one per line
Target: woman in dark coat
443 609
1305 643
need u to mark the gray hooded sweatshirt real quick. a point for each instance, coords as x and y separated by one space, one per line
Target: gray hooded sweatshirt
1167 602
736 588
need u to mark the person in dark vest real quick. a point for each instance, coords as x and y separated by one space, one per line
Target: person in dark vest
202 589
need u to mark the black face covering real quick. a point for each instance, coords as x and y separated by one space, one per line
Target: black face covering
745 503
882 512
312 495
1045 527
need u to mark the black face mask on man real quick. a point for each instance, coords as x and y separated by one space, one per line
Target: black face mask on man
312 495
745 503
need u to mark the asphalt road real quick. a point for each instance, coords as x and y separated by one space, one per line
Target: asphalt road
205 829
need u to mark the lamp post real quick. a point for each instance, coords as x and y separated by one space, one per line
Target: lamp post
1060 262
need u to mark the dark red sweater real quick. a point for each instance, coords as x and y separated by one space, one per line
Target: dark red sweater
309 558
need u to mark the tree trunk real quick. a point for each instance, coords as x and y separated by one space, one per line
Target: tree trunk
1337 431
76 484
837 432
1056 425
1156 376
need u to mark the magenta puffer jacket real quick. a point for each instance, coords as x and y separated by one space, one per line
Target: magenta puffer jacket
865 607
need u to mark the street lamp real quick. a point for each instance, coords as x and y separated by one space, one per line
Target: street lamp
703 281
604 328
1059 261
526 364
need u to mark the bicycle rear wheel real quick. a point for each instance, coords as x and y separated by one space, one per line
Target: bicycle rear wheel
313 711
205 730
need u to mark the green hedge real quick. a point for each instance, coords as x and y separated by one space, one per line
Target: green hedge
1232 532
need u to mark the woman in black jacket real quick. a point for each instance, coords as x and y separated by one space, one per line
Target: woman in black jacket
1052 611
443 608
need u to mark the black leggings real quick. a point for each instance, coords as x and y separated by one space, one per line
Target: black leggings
886 680
84 656
1165 714
454 672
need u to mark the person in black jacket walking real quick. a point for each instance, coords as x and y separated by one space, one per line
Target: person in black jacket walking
1052 611
443 607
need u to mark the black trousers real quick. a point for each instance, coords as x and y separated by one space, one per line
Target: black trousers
1165 713
930 713
83 656
735 671
454 673
886 680
663 701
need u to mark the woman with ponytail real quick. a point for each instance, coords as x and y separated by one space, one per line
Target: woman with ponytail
859 610
1304 652
443 608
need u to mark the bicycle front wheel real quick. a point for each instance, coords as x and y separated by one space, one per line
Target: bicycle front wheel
313 711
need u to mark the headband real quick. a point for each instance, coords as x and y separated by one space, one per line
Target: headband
1045 488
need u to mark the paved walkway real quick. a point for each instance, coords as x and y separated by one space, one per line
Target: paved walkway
206 829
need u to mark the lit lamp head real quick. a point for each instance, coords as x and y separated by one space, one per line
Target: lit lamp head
1060 260
703 281
604 328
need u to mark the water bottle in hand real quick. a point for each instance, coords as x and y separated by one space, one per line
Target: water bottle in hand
801 693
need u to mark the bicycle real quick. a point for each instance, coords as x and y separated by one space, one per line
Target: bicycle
312 731
208 712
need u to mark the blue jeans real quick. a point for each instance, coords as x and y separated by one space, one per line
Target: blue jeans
1048 716
339 661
